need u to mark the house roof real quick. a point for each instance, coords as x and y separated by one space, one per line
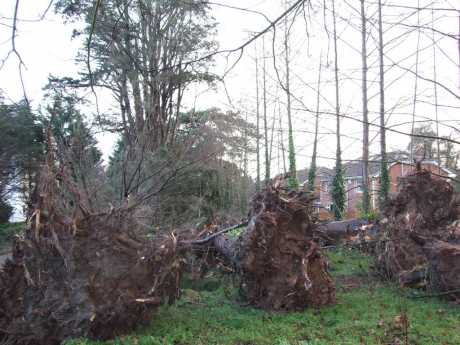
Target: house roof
354 169
321 172
447 171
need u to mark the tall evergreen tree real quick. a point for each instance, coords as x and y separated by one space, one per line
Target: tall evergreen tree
21 150
384 175
146 53
338 182
76 147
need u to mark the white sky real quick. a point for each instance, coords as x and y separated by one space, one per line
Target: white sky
46 48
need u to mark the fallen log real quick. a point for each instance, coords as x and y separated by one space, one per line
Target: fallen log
280 265
332 233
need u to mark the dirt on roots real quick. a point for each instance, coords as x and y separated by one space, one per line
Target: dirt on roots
75 274
419 244
280 265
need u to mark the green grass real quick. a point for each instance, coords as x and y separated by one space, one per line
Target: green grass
7 232
211 312
236 232
344 262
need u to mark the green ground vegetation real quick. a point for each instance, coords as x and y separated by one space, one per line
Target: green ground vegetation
7 233
368 311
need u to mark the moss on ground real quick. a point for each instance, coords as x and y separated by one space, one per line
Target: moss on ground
367 312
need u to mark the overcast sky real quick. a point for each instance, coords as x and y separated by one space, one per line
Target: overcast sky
46 48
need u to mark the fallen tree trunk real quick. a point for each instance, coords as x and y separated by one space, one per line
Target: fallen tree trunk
332 233
280 265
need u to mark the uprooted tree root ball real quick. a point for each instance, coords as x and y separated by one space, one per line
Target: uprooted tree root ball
76 275
420 235
280 265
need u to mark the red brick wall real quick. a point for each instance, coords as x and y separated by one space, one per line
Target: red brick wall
354 195
399 170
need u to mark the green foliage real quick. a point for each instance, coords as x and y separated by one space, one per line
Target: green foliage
338 192
366 200
21 148
217 184
236 232
115 170
211 313
148 82
384 184
199 176
312 177
293 183
456 186
370 215
71 132
9 230
6 211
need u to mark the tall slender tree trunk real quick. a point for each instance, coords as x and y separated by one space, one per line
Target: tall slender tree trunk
282 139
264 81
414 105
365 183
435 86
338 183
272 134
384 177
293 183
244 196
313 166
257 122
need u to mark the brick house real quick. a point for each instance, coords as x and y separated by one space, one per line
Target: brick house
399 170
353 182
353 185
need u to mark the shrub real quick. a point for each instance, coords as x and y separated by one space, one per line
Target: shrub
6 211
8 230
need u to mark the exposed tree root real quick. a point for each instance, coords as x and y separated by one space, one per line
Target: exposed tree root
76 274
280 265
419 236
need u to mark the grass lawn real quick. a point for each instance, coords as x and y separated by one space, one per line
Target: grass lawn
367 312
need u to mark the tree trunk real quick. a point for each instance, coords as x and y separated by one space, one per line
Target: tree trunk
338 184
384 178
257 123
335 232
293 182
435 86
267 156
365 182
283 154
414 101
312 171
